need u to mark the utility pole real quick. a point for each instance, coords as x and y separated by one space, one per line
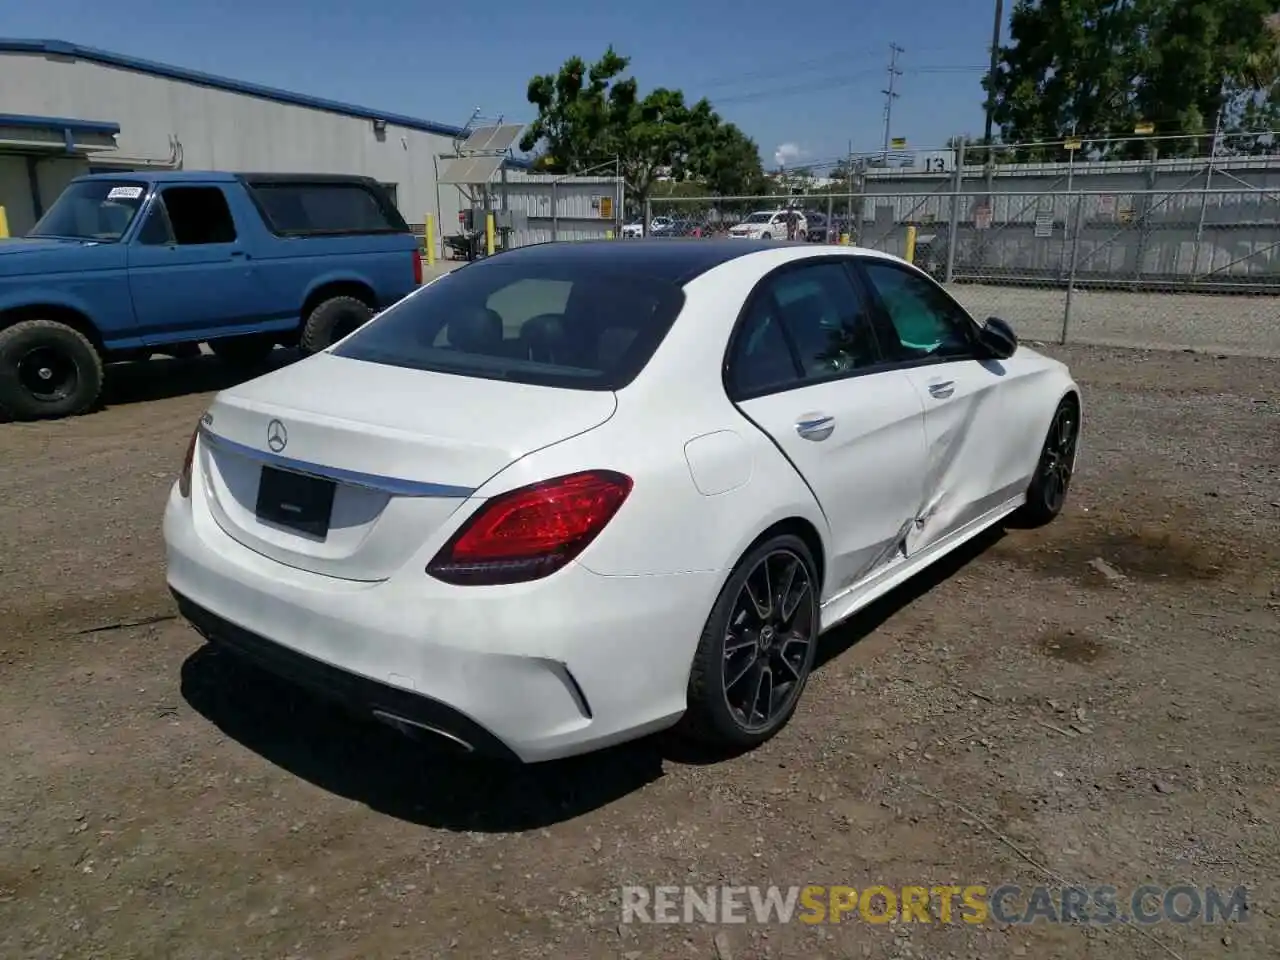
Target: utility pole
991 76
890 95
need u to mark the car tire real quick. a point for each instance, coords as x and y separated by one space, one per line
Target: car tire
47 370
766 236
246 352
332 320
726 681
1047 493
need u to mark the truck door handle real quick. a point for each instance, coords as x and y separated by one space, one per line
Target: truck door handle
940 391
239 253
815 426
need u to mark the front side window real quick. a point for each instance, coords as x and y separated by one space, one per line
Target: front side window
927 322
155 230
564 325
99 210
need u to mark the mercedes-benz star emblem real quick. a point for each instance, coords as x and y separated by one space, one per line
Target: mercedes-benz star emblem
277 436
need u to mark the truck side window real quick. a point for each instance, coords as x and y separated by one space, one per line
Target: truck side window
199 215
155 231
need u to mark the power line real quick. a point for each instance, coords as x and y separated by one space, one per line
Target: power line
889 94
812 87
824 63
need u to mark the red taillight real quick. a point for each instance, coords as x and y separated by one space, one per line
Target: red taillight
417 268
531 532
184 478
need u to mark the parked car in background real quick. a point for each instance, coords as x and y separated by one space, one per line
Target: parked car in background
126 265
819 229
657 227
768 225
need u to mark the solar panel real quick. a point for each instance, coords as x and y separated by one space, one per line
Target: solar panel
494 139
466 170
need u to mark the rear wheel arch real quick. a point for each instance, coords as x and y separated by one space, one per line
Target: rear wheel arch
355 289
798 527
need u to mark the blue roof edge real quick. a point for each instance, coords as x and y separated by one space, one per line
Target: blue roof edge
28 122
62 48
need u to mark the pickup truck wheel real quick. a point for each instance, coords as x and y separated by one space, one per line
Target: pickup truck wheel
253 350
47 370
332 320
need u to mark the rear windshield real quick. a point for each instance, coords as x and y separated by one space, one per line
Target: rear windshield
325 208
562 325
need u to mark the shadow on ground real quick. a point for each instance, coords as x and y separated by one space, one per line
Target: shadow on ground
163 378
406 779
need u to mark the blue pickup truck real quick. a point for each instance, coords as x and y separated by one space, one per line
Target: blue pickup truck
126 265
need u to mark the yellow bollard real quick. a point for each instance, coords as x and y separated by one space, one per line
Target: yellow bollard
608 234
909 254
429 236
844 239
4 224
488 233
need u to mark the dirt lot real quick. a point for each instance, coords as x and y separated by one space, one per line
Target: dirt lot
1024 710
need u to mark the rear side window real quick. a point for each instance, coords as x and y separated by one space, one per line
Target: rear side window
561 325
324 208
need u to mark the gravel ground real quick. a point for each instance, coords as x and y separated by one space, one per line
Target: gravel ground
1026 711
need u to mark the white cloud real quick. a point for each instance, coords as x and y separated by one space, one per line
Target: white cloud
787 154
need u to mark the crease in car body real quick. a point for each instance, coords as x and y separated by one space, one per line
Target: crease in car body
943 507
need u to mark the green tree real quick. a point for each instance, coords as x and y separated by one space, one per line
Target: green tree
1100 67
590 115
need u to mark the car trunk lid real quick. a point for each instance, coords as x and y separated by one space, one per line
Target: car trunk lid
346 468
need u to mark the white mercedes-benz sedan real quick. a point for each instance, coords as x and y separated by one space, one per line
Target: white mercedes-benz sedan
574 493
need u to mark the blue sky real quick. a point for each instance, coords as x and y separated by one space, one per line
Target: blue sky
809 77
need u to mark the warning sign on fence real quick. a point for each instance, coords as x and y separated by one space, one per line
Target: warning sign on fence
1044 225
982 217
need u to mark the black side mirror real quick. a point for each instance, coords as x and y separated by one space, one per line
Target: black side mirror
998 338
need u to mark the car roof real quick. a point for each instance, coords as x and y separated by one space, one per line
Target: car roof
222 176
676 260
673 259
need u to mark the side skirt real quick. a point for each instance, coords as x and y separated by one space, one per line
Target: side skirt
853 598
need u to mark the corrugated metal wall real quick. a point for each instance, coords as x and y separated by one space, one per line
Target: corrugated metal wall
221 130
562 208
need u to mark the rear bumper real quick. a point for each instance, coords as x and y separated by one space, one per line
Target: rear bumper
537 671
395 705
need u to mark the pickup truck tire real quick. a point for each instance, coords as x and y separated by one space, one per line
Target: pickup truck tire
247 352
47 370
332 320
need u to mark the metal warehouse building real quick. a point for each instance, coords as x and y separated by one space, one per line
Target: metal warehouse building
69 110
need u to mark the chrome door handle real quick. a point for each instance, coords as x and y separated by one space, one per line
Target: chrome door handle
815 426
940 391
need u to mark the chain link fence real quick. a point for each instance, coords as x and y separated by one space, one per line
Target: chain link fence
1181 268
